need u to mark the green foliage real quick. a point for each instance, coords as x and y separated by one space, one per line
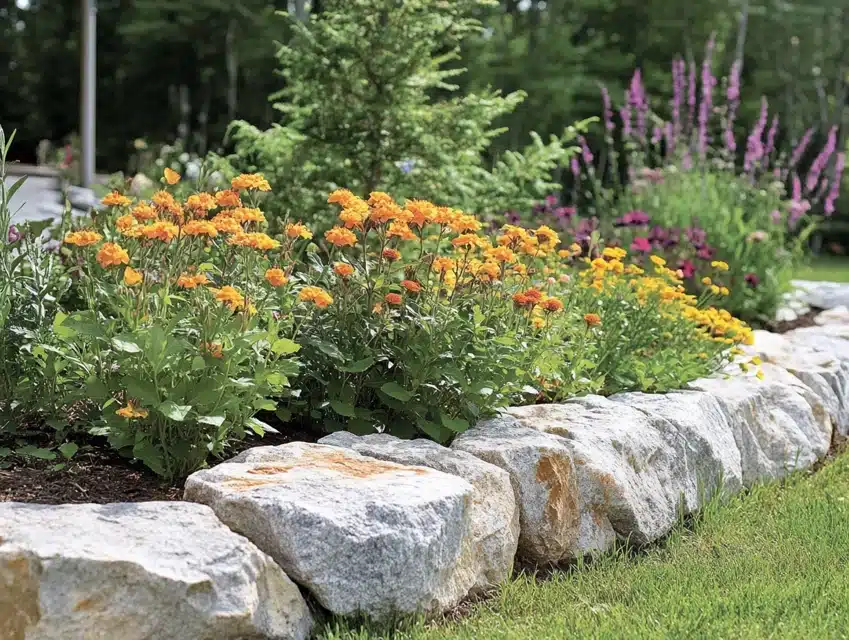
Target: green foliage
370 103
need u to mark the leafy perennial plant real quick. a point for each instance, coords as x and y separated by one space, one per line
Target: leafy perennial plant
404 318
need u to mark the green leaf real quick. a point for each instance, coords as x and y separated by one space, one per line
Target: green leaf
284 346
60 329
198 363
127 346
150 455
68 450
396 391
5 451
58 467
262 404
330 350
431 429
259 427
36 452
176 412
277 380
343 408
359 366
141 389
215 421
457 425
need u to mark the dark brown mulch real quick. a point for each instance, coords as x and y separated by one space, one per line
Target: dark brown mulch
805 320
98 474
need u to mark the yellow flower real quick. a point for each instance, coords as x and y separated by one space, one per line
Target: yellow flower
760 374
575 248
112 255
488 271
343 269
724 291
707 281
657 260
547 236
258 241
248 181
318 296
340 237
132 411
501 254
617 253
171 176
757 361
115 199
537 322
298 230
83 238
132 277
230 297
714 289
200 228
720 265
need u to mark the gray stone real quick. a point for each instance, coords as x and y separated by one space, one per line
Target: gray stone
785 314
837 315
363 535
779 423
138 571
544 480
494 513
825 375
824 295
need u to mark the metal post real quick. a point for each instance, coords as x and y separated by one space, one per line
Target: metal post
87 91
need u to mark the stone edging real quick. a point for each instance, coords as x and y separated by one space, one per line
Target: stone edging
380 526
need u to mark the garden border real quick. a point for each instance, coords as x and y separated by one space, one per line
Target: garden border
379 526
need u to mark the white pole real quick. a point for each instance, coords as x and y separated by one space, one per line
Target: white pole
87 91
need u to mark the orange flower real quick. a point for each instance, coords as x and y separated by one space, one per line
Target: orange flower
592 319
340 237
441 265
125 223
132 277
527 298
391 254
83 238
343 269
467 240
213 349
171 176
348 200
112 255
501 254
411 285
201 202
258 241
161 230
276 277
444 215
393 298
380 199
377 308
354 218
385 212
245 214
166 203
230 297
248 181
422 212
226 223
227 198
547 236
552 305
132 411
115 199
189 281
298 230
143 211
200 228
489 271
316 295
463 223
400 230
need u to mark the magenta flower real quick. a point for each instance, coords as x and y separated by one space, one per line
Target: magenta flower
752 279
641 244
821 160
13 235
687 268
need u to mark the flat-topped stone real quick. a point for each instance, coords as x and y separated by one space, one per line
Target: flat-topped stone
364 536
824 295
138 571
494 512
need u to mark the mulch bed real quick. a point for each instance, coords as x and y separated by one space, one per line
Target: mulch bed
805 320
97 474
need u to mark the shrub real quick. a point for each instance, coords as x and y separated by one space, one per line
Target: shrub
368 104
177 346
754 209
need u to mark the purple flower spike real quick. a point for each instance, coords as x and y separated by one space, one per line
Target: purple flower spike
754 145
586 154
800 148
770 137
13 235
608 109
575 167
821 160
835 185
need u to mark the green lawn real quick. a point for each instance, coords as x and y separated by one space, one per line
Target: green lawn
771 564
833 268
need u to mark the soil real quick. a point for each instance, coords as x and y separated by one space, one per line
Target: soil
97 474
805 320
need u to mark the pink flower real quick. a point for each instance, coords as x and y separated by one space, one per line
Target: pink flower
641 244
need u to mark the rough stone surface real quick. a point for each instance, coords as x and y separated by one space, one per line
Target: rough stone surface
544 480
494 513
825 375
363 535
138 571
779 423
837 315
824 295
